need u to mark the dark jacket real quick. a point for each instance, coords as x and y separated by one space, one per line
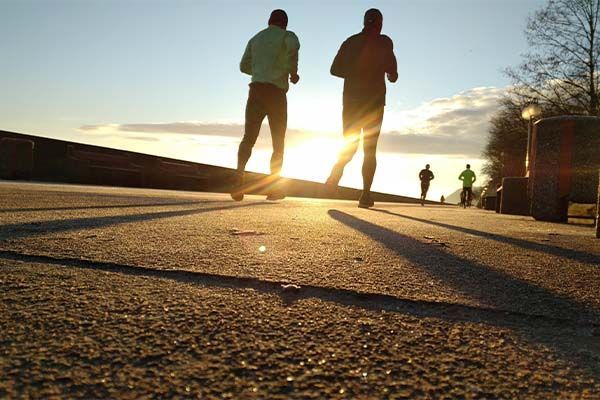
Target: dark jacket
426 175
363 60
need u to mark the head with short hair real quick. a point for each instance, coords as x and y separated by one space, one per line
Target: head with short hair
373 20
468 166
427 166
279 18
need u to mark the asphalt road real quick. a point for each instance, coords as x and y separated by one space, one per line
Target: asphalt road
125 293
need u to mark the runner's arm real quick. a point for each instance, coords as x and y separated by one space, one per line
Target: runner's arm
338 67
391 65
293 45
246 63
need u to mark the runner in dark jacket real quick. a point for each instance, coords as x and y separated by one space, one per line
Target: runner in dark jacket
362 61
426 176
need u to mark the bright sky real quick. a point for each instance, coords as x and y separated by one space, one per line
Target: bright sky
162 77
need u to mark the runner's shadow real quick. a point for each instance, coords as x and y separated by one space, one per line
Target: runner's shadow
473 280
106 206
23 230
574 255
492 288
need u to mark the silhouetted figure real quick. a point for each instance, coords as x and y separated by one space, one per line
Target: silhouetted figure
363 61
442 199
468 178
425 176
271 57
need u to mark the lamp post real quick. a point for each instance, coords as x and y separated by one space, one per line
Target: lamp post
529 113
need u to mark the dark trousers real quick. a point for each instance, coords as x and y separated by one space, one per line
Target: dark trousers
358 115
424 189
468 192
264 100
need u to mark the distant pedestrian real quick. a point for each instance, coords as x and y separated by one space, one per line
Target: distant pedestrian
468 178
442 199
363 61
426 176
271 58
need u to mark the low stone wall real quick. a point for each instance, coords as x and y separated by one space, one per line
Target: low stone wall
51 160
564 165
16 158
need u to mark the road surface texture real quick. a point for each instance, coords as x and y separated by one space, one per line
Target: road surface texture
130 293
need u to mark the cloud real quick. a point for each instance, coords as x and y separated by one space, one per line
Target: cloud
207 133
181 128
455 125
428 144
452 125
145 138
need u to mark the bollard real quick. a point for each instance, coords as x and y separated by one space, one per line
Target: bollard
498 198
514 196
598 209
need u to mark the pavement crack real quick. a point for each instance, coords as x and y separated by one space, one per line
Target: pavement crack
347 297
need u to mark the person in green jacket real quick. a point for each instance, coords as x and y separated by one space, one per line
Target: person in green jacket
271 58
468 178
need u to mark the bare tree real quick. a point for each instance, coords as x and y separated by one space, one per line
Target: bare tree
561 68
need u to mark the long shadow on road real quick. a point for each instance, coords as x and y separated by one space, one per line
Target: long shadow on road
106 206
486 285
557 251
473 280
23 230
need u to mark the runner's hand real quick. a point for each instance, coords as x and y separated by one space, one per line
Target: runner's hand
294 78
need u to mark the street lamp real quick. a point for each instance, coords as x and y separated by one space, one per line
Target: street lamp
529 113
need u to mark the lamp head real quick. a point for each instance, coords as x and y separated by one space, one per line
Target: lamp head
531 111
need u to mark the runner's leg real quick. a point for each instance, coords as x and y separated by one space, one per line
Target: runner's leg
277 115
371 133
351 123
255 114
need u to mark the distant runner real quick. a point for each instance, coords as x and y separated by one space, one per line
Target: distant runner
425 176
468 177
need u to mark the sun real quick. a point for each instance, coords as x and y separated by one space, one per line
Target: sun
312 159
